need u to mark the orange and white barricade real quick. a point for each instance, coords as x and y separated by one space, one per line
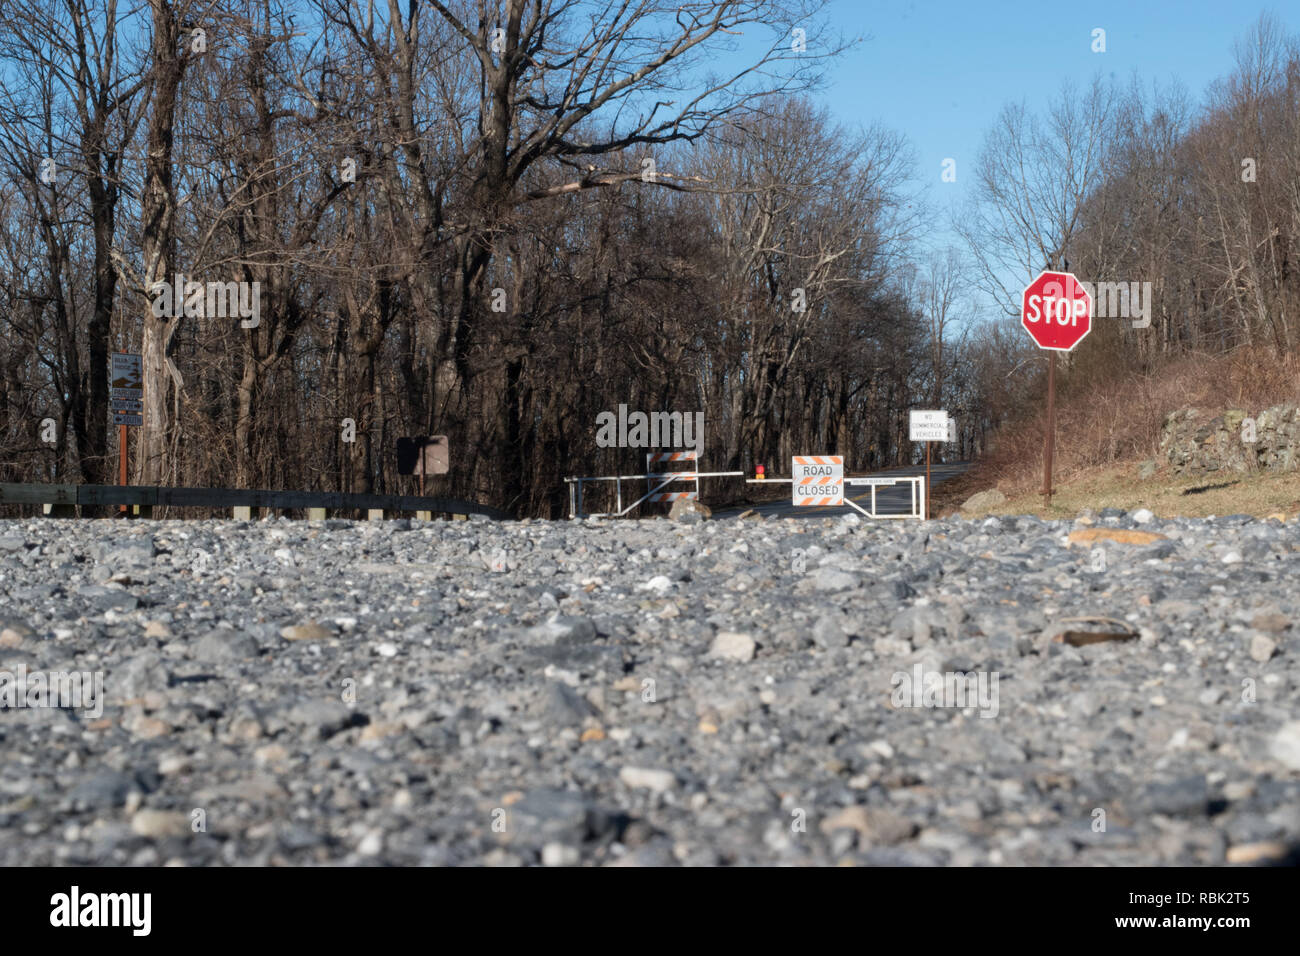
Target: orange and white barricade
655 482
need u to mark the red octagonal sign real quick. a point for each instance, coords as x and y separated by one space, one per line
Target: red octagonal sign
1056 311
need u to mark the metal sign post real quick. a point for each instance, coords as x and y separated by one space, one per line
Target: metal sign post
121 461
1049 437
927 480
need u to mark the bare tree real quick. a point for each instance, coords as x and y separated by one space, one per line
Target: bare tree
943 283
1034 176
803 208
84 90
170 52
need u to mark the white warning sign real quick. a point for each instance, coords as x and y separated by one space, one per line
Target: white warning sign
817 480
927 425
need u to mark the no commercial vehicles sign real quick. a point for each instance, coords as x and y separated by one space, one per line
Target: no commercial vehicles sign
817 479
927 426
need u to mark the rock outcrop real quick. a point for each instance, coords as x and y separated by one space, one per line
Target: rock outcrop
1195 443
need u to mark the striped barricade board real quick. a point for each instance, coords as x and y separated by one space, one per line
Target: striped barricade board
680 490
817 480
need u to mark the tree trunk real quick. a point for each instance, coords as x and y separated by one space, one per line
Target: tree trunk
157 246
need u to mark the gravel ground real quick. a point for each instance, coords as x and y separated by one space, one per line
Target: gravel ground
651 692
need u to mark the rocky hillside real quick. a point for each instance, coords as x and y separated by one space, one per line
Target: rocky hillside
1195 442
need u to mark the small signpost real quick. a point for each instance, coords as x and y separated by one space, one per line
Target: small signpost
1057 313
817 480
928 426
126 390
125 403
423 455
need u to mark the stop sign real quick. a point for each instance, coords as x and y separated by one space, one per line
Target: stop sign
1057 311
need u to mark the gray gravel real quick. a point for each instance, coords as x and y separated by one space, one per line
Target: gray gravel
651 693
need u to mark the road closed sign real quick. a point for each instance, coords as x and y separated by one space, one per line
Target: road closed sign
817 480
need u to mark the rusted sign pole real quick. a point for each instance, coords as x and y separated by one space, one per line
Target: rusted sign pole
121 461
927 480
1049 439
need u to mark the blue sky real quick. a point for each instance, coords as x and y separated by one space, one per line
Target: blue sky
939 71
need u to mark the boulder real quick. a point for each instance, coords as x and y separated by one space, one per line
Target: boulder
684 507
984 501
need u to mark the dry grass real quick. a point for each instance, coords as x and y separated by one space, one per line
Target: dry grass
1262 494
1116 422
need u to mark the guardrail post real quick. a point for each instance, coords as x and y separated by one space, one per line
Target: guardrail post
424 516
315 514
375 514
242 513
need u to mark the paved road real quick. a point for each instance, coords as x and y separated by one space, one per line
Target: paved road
890 499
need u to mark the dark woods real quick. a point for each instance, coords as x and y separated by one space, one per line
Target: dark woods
486 220
496 220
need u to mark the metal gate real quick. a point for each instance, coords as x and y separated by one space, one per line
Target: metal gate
655 483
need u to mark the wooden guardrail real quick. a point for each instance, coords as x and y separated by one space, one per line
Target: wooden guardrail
62 498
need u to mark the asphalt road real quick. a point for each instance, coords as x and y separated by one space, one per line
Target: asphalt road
890 499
